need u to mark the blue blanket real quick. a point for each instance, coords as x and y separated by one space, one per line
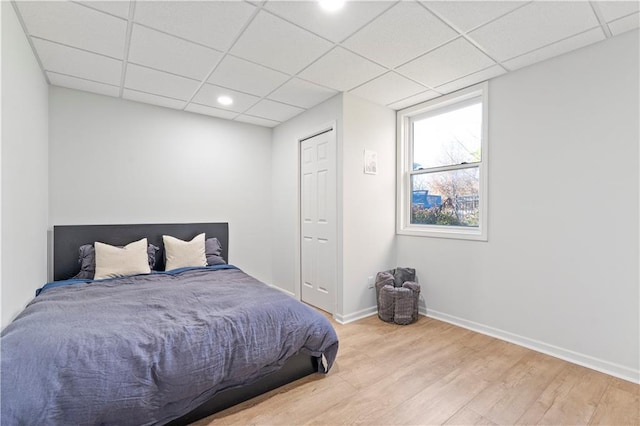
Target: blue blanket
149 348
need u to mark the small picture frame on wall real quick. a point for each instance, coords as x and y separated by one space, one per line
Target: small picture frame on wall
370 162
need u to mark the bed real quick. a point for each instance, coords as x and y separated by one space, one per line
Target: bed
159 348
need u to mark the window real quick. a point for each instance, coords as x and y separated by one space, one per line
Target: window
442 166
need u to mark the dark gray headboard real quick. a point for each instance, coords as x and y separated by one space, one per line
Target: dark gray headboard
68 238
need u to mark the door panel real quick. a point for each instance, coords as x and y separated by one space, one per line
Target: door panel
318 217
308 247
322 196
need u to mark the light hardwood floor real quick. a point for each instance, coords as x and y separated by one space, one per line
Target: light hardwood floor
434 373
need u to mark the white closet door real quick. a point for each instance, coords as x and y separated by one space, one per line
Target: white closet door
318 216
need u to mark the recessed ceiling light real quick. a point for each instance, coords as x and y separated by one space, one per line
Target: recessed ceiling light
225 100
331 5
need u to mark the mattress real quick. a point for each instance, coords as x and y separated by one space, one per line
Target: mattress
147 349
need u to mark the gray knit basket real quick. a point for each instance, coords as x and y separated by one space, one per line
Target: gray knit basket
397 293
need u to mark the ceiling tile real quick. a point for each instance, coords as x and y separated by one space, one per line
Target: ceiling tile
471 79
612 10
556 49
404 32
213 112
628 23
81 84
212 23
301 93
536 24
341 70
81 44
75 25
257 120
209 94
114 7
333 26
146 98
278 44
166 53
414 100
78 63
159 83
274 110
446 63
388 88
245 76
465 15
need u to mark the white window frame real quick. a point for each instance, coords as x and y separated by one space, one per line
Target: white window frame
405 158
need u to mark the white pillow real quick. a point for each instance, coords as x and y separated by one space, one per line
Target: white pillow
114 261
181 254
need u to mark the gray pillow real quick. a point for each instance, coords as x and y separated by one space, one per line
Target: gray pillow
213 251
87 260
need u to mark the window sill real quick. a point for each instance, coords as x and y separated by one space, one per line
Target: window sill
455 233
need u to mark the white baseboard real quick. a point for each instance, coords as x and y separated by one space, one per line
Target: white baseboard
345 319
283 290
603 366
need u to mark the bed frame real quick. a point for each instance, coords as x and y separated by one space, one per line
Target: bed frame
68 238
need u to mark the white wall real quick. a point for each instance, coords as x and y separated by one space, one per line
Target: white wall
285 190
368 202
560 270
365 202
117 161
24 169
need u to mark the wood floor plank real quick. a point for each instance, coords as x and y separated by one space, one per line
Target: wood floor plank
433 373
617 407
376 400
303 403
466 416
350 361
624 385
480 341
506 401
433 405
570 399
492 361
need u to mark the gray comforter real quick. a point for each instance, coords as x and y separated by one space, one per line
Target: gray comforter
149 348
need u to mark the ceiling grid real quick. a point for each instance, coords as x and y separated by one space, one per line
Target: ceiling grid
277 58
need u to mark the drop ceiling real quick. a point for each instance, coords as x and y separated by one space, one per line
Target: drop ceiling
276 59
